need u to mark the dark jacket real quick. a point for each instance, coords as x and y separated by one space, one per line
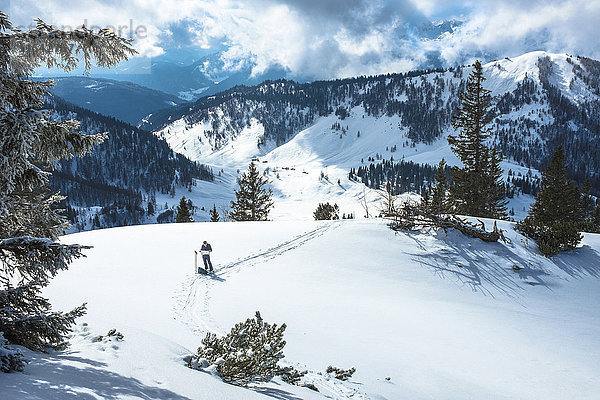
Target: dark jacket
206 247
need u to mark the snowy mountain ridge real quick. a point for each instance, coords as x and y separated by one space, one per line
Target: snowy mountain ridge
218 119
308 136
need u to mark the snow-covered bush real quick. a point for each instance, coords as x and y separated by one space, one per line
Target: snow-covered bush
291 375
341 374
249 353
113 333
10 359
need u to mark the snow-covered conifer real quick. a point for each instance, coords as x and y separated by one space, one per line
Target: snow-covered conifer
214 214
249 353
10 359
252 201
31 143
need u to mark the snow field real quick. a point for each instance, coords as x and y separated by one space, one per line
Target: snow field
441 315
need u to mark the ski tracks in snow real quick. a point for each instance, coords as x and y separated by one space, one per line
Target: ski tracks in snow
192 300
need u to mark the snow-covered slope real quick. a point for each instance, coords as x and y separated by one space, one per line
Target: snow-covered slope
419 315
325 128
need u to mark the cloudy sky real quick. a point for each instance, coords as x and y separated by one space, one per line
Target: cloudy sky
325 39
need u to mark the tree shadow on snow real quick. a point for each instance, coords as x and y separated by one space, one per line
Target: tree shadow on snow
579 262
275 393
82 360
483 267
48 378
496 268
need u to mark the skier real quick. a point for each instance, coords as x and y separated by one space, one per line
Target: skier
205 250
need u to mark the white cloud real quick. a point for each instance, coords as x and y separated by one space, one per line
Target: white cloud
510 28
322 39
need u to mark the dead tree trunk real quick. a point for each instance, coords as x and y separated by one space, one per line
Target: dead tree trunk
411 216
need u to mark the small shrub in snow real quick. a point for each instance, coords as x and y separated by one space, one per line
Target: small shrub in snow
291 375
10 359
341 374
113 333
311 387
326 211
249 353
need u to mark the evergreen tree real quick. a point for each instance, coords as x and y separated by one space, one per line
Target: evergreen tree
426 199
554 220
326 211
150 208
476 187
588 209
596 220
439 203
214 214
495 206
252 201
248 353
183 211
31 143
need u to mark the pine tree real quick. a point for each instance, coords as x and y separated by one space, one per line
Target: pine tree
248 353
587 208
252 201
326 211
439 203
31 143
554 219
183 211
476 187
596 220
151 207
426 199
214 214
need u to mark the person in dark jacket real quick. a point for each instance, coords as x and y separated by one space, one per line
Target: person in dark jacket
205 250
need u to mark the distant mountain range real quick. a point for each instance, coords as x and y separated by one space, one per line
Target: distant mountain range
191 73
540 100
125 101
205 76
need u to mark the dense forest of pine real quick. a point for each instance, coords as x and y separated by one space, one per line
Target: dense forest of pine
407 176
129 168
402 176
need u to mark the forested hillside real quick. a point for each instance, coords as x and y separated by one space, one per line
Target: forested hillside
122 174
